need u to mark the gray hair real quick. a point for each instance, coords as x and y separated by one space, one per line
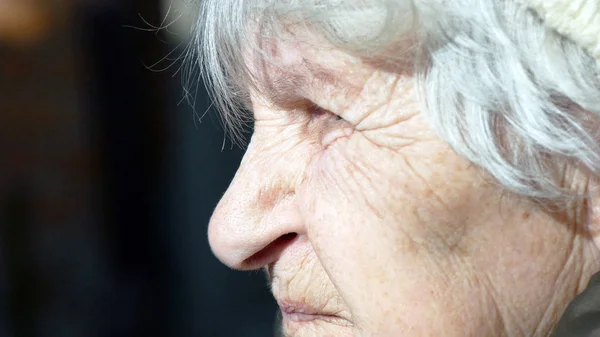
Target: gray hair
505 91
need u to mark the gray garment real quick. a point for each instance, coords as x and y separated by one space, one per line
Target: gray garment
582 317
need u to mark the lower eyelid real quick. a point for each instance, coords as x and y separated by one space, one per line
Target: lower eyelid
329 126
334 133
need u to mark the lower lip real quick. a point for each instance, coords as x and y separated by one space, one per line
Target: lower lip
292 322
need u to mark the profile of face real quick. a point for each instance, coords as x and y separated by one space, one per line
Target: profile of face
368 224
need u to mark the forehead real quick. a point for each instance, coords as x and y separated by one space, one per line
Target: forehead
300 72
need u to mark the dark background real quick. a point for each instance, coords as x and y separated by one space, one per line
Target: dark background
108 179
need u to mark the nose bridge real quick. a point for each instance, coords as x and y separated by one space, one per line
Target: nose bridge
257 209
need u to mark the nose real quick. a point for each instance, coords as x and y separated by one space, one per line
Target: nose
257 218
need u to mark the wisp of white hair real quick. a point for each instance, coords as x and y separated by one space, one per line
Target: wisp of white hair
505 91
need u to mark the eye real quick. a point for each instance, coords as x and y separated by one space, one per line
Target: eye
315 110
327 125
318 112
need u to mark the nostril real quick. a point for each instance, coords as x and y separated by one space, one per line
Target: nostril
269 253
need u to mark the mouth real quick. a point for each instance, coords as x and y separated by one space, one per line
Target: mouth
307 299
298 312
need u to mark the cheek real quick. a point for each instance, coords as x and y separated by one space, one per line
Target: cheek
356 235
380 271
422 191
383 221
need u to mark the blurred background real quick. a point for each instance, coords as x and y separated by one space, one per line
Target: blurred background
108 179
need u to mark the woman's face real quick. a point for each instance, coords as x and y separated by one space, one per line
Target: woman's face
370 225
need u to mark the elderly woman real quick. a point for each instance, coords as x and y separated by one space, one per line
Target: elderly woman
417 168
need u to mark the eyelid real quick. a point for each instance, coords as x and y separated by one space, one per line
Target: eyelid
331 130
316 110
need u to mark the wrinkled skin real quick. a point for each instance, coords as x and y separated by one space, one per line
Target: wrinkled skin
371 225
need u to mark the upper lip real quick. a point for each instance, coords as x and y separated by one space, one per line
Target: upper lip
290 307
305 309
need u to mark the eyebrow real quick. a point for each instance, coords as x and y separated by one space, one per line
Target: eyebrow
290 88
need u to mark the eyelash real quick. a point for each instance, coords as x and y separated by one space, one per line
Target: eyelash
315 110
